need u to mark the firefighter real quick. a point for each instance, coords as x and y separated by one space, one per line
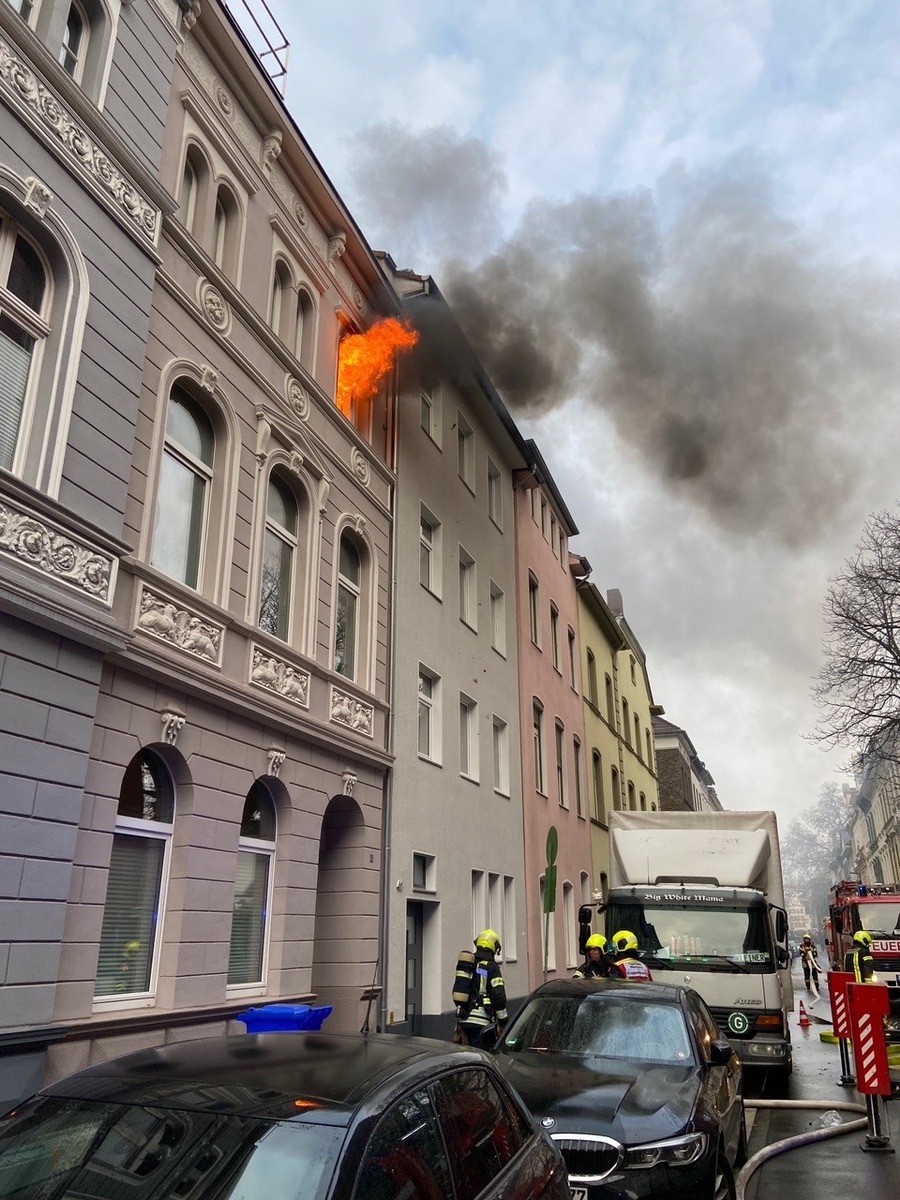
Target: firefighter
809 961
596 965
858 958
483 1016
626 964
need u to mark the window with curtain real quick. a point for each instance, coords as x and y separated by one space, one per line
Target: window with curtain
24 300
306 328
132 916
184 484
250 913
277 581
347 609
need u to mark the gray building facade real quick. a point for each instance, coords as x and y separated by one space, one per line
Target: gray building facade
196 544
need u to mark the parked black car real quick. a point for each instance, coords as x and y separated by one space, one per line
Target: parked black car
282 1116
635 1084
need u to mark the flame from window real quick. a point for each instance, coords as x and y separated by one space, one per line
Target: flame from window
364 359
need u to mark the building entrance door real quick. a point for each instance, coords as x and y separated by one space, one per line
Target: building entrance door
414 930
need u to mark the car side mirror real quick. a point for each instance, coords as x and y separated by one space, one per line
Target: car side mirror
720 1053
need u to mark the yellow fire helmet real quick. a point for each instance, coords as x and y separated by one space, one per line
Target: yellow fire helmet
488 940
595 942
625 940
863 937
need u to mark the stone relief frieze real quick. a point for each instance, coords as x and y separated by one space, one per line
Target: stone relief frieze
30 94
162 618
297 397
348 711
275 675
47 549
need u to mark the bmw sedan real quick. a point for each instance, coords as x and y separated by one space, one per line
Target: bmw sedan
634 1083
282 1116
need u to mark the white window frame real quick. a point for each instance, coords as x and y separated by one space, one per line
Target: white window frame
554 637
577 767
465 451
479 902
292 541
495 493
498 619
573 650
428 862
266 849
539 750
534 609
161 831
500 752
468 589
431 401
432 703
430 550
559 750
510 942
76 70
180 454
495 908
354 589
569 924
468 738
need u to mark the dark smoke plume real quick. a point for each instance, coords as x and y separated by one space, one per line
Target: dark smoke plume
744 366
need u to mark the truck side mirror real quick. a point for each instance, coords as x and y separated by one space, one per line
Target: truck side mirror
781 925
781 956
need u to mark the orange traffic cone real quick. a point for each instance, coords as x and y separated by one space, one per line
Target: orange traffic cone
804 1021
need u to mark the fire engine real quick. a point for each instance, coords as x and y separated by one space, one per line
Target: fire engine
855 906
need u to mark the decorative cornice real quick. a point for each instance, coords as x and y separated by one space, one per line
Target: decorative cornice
275 675
31 97
46 548
161 618
276 758
348 711
172 725
349 779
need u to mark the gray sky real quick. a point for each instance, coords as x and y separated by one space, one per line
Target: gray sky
671 227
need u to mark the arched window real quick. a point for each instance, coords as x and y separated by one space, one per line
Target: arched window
278 567
252 888
632 805
194 191
598 805
184 484
226 221
306 328
73 51
24 305
280 307
138 869
346 629
616 793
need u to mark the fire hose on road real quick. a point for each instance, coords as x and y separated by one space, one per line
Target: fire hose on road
753 1164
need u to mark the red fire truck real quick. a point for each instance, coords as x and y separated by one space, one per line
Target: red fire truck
855 906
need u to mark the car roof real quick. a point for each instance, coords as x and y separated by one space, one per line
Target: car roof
321 1077
663 993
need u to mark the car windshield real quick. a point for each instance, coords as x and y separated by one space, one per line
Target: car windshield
600 1026
880 918
708 938
61 1149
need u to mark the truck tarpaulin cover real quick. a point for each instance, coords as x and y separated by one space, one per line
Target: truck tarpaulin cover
730 849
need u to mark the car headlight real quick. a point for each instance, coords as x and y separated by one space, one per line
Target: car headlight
674 1152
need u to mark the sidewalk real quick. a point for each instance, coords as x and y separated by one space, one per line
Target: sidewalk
836 1168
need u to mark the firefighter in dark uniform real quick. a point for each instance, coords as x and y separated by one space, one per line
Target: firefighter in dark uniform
596 965
626 964
483 1018
858 960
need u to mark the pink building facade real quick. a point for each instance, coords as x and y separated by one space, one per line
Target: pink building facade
551 714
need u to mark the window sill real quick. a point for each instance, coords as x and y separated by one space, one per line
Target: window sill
434 762
103 1004
502 792
431 592
497 525
498 651
470 778
240 991
468 624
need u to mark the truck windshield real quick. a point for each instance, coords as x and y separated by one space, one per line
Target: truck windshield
735 937
880 918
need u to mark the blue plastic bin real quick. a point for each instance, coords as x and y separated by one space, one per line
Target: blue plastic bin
283 1018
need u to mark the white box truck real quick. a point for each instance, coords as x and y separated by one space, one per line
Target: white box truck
703 893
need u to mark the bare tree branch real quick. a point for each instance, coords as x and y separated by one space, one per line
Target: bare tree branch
858 688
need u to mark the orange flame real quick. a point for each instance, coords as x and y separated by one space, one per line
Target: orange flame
365 358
